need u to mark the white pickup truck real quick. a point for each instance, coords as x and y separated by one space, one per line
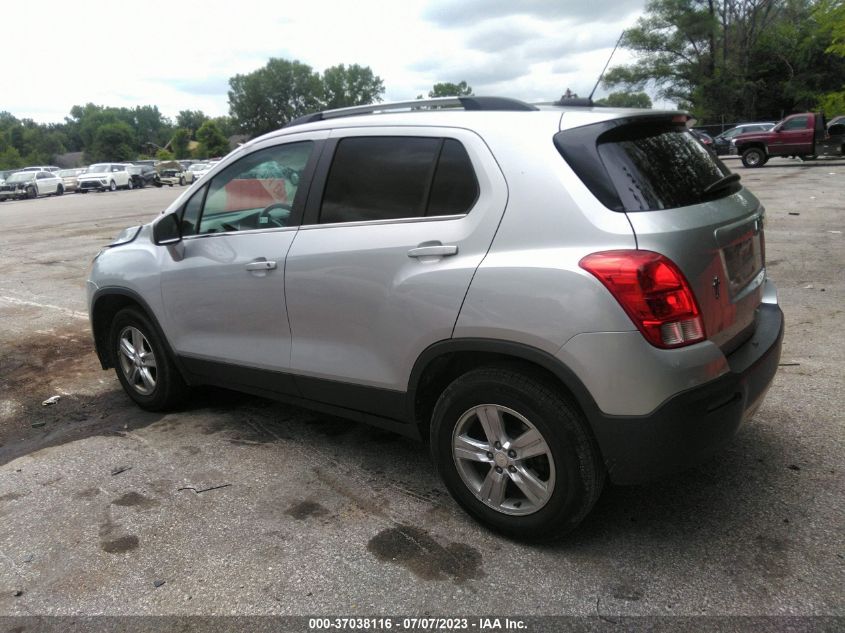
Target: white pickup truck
104 176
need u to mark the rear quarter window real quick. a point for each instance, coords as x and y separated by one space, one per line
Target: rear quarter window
643 166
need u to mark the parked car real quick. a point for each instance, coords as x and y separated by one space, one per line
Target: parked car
722 142
143 175
802 136
198 170
70 177
554 296
5 174
705 139
837 120
170 173
31 184
104 177
50 168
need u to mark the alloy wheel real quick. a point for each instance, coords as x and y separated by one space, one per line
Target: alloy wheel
503 459
137 360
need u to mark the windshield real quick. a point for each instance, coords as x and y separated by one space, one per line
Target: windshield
21 176
98 168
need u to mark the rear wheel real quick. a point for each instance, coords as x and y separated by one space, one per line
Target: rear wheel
142 363
754 157
130 185
515 454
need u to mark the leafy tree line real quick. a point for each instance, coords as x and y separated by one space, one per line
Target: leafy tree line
259 102
739 59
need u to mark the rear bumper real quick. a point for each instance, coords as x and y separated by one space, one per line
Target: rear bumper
694 424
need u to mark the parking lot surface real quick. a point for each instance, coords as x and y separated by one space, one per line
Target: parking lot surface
239 505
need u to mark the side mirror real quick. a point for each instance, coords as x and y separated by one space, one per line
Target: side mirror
166 230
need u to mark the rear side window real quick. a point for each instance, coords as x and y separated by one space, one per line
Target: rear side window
395 177
644 166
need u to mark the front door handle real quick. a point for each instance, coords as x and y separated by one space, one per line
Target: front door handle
439 250
261 265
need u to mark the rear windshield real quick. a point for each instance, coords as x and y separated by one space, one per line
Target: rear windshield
644 166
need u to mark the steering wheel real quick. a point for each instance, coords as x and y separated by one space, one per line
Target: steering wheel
265 213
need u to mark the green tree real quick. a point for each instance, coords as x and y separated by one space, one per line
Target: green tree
227 125
450 90
10 158
180 142
737 59
350 86
831 17
623 99
211 140
191 120
165 154
270 97
112 141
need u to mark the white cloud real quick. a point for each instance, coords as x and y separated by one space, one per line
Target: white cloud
180 55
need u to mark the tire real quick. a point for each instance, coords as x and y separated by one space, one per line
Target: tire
807 157
182 181
149 377
567 477
129 185
31 193
754 157
112 186
60 190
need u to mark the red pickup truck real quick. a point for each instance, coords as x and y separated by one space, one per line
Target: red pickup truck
798 135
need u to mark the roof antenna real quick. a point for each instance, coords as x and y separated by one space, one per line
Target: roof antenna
588 102
590 98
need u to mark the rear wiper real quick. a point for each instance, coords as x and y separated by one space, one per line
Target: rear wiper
721 183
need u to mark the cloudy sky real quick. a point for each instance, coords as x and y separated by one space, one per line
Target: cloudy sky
180 54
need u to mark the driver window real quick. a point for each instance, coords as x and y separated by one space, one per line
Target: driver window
256 192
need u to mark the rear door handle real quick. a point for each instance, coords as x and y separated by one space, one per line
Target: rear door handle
434 251
262 265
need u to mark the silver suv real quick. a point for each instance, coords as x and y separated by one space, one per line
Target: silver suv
555 296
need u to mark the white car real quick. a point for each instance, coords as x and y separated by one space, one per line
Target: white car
201 169
104 176
31 184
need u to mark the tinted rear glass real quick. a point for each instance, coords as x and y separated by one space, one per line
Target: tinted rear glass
643 166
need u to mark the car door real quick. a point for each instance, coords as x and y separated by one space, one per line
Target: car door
397 223
44 183
794 136
223 284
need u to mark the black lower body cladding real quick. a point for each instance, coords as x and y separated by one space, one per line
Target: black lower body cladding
695 424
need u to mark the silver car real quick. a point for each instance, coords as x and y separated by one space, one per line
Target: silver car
554 296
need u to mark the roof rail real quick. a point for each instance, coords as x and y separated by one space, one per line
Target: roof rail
467 103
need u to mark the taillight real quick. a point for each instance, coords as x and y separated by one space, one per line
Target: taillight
653 292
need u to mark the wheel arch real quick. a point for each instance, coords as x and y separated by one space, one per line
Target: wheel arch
106 303
442 362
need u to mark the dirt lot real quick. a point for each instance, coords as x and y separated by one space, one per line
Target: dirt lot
238 505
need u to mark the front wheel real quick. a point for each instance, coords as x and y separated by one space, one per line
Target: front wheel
112 186
142 363
31 193
130 185
515 453
60 190
754 157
